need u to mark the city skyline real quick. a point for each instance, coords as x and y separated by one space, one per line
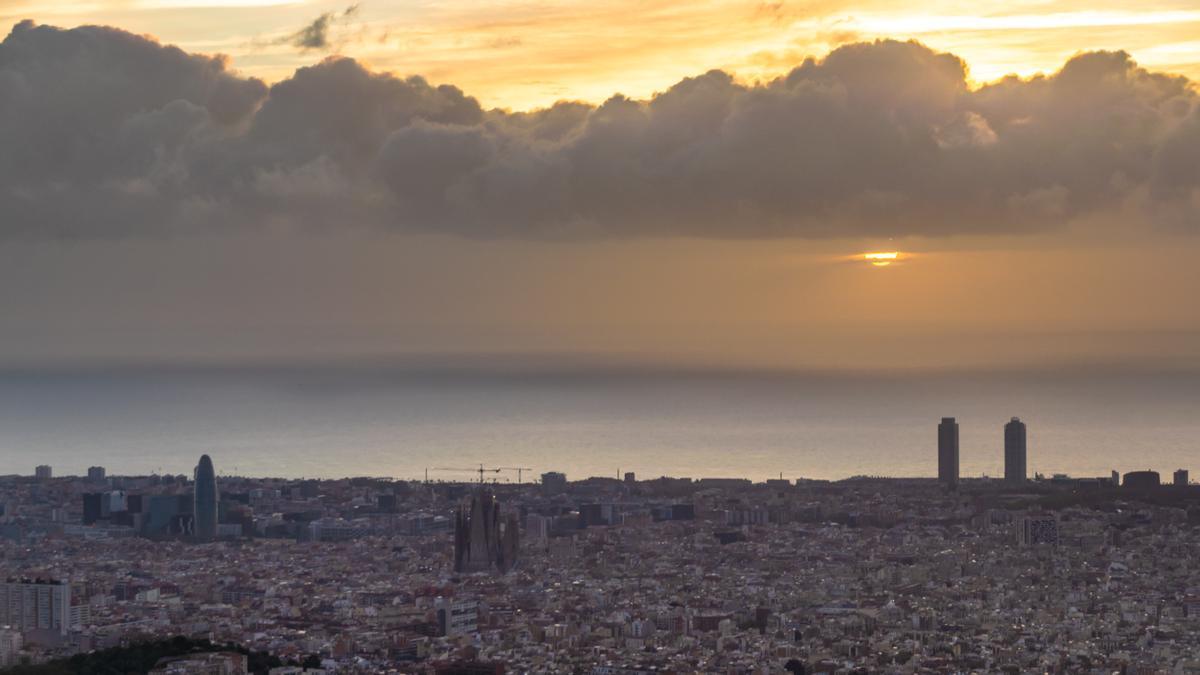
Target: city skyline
704 572
539 576
480 536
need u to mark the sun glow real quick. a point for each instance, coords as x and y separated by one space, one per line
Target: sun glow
882 258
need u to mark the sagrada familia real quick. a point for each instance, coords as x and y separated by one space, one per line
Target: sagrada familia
484 541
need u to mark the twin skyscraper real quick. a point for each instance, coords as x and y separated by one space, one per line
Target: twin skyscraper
1014 451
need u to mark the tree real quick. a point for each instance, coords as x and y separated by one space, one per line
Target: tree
795 666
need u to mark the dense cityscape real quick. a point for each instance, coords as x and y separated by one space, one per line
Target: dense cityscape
608 575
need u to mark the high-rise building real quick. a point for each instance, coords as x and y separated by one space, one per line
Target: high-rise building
1181 477
96 473
116 501
92 510
537 527
683 512
43 472
554 482
36 605
457 616
483 541
1036 530
1141 480
204 511
167 515
10 647
590 515
1014 451
948 451
386 503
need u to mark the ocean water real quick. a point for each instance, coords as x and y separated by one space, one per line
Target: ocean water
335 421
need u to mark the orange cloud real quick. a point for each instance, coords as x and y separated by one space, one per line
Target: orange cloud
528 54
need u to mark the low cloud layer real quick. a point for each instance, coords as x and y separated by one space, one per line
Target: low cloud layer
110 134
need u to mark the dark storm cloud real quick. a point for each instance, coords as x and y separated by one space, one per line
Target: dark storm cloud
106 133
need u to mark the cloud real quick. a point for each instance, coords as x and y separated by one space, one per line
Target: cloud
315 35
111 134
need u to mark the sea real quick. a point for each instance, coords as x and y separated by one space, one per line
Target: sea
440 423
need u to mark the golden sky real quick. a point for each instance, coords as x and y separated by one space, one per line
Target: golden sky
667 301
1043 221
524 53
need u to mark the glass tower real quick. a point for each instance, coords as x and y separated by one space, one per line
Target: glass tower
205 506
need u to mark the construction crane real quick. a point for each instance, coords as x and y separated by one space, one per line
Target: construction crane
518 469
481 470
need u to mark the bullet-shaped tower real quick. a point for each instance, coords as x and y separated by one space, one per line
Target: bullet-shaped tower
205 501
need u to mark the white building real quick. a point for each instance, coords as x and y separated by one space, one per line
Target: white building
457 616
39 604
10 647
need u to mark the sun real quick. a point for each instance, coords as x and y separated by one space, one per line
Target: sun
882 258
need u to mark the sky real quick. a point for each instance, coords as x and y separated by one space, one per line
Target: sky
521 54
686 183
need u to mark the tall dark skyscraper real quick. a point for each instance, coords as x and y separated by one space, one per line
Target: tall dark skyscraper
205 505
91 507
1014 451
948 451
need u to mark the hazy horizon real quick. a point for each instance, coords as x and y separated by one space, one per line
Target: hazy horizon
340 421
